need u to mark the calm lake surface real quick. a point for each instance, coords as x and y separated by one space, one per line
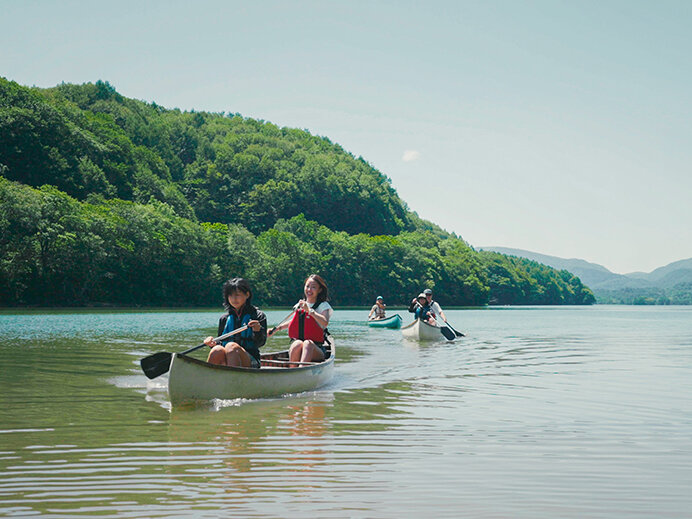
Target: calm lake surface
538 413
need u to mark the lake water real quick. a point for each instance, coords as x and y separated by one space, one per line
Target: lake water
536 413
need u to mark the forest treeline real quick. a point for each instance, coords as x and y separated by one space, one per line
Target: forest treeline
110 200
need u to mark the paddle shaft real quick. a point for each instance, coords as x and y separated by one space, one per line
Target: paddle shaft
216 339
159 363
283 321
271 361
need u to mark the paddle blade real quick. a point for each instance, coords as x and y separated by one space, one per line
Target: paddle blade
157 364
449 334
458 334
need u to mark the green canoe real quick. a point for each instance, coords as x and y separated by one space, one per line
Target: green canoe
388 322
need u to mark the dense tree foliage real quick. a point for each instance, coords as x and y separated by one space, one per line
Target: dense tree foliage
678 294
513 280
56 250
89 139
109 200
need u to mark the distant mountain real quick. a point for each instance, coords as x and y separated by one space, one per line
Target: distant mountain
591 274
672 274
670 284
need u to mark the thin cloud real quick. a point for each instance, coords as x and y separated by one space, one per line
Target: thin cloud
411 155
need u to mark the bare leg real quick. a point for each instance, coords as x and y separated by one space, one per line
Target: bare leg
237 356
295 352
217 355
311 353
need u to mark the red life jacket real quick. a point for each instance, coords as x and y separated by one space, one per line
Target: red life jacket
304 327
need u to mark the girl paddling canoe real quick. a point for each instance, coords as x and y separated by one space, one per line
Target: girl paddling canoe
308 323
243 349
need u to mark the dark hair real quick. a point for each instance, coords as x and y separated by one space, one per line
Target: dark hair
324 291
236 285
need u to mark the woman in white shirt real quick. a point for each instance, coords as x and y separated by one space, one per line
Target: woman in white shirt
308 322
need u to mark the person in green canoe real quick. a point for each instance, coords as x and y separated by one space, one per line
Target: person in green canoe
377 311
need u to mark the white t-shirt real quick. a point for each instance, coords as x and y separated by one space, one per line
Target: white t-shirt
323 308
436 310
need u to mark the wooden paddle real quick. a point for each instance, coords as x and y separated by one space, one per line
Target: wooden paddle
159 363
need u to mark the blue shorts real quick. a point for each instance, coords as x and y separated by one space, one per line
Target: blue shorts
322 347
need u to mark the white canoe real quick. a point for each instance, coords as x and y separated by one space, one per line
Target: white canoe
193 379
422 331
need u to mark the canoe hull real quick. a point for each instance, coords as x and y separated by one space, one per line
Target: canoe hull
421 331
390 322
192 379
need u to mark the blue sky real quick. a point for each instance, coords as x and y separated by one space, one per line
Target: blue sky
558 127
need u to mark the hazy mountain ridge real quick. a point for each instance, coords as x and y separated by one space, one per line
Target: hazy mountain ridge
673 269
669 284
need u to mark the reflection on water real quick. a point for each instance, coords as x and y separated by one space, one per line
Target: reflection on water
576 412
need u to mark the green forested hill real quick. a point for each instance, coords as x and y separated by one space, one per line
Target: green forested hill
105 199
88 139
